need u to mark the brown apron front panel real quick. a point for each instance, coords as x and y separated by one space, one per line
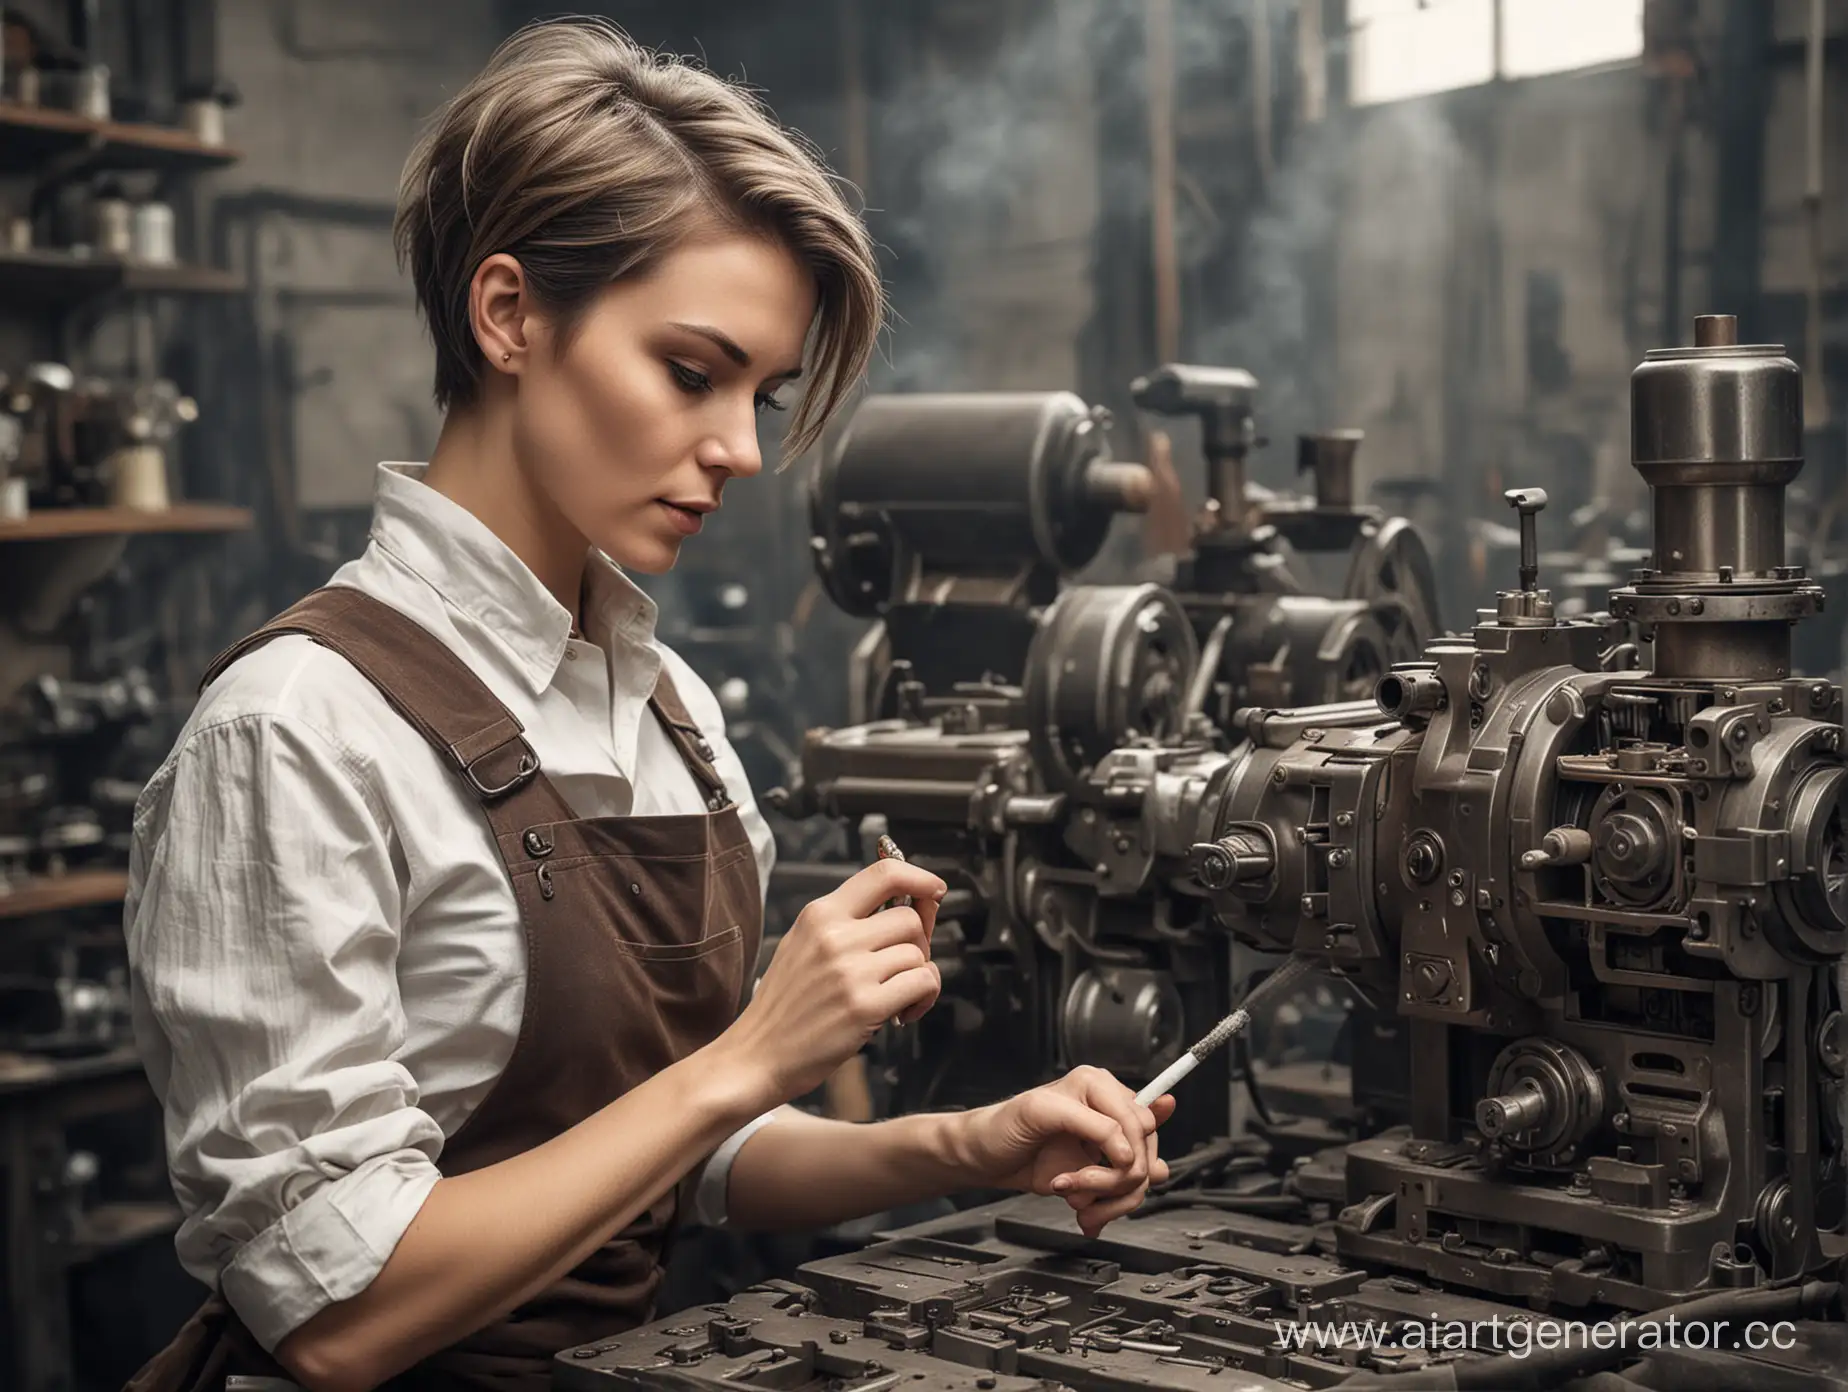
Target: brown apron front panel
640 933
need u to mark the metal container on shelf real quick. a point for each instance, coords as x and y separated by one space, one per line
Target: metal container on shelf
202 110
138 478
90 92
112 224
152 236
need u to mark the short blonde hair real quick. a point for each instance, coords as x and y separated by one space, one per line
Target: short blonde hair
589 158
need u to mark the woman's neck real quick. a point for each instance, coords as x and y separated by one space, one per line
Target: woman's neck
474 465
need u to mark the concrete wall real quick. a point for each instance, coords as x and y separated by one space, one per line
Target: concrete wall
336 91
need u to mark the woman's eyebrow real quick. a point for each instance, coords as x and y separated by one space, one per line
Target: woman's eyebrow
729 346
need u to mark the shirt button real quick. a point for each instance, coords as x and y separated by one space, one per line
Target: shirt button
570 653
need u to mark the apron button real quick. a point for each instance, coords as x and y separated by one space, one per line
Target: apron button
537 843
545 882
635 889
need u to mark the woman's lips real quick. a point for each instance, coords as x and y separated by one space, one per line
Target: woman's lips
686 519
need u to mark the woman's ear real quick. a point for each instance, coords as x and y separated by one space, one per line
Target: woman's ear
497 311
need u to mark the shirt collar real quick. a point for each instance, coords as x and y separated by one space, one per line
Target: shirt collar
477 574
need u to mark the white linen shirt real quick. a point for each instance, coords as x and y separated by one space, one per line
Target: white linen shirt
326 959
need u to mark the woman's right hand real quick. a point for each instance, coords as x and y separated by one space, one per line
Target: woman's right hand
846 967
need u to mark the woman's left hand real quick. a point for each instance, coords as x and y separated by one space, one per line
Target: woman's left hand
1084 1137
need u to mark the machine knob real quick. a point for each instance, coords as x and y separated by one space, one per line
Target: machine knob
1243 855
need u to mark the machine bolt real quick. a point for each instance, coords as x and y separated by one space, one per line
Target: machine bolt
1819 694
838 1336
1344 819
1456 877
1308 903
1697 605
1674 606
1458 898
1727 693
1337 858
1740 735
1279 777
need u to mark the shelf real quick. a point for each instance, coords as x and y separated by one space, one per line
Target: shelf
58 277
110 1227
30 1073
81 522
50 893
30 135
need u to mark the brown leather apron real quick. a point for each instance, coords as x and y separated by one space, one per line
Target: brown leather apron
638 935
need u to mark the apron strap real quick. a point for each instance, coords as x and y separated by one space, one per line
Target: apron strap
432 689
696 750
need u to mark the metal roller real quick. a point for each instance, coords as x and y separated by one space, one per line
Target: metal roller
1108 664
976 483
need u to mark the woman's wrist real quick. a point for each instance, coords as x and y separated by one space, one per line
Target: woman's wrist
972 1155
735 1083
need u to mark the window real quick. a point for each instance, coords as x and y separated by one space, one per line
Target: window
1410 48
1548 36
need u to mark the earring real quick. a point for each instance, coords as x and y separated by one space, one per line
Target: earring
507 356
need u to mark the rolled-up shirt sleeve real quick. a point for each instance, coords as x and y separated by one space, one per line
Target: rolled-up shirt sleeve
262 927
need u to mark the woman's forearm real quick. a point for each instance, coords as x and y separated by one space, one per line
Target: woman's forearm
804 1172
485 1242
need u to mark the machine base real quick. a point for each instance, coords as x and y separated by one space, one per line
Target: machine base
1010 1297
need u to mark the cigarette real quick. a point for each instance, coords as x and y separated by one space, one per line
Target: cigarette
1233 1024
1262 996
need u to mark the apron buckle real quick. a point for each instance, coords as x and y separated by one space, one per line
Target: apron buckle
527 770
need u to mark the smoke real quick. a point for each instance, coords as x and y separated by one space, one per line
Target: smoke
990 178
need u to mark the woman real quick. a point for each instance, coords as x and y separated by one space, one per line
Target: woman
443 904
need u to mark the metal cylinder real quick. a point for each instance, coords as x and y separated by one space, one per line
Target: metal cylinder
1411 693
1512 1113
1717 433
963 483
1329 456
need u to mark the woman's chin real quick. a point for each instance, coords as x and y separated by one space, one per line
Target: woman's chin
645 555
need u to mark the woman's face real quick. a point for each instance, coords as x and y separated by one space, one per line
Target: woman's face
634 429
